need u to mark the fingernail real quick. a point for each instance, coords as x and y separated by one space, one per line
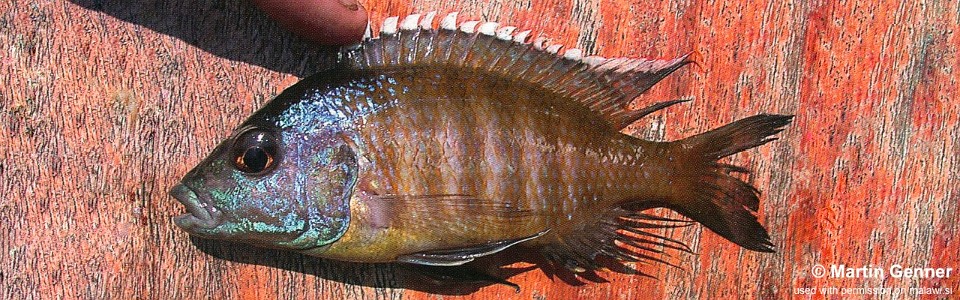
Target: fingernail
350 4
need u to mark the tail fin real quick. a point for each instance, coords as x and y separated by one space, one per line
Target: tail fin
713 197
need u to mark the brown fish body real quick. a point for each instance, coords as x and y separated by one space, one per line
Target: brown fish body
493 139
438 146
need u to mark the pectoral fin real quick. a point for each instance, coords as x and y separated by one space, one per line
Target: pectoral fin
459 256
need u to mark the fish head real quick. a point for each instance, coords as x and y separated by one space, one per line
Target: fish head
272 187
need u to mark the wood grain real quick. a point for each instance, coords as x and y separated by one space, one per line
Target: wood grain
105 104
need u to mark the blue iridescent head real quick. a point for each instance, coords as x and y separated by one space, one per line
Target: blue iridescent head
274 182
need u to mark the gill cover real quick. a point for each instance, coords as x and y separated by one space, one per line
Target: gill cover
326 177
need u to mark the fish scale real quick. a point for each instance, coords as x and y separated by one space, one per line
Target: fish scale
492 140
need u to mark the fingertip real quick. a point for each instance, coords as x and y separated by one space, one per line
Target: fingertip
327 22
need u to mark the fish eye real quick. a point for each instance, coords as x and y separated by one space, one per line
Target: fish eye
255 152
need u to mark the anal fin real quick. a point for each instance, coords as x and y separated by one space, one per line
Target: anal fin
459 256
620 234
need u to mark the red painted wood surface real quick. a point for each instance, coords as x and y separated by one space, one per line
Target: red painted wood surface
105 104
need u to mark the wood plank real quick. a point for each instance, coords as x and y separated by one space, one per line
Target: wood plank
105 104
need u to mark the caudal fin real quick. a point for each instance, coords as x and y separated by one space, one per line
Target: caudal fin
713 197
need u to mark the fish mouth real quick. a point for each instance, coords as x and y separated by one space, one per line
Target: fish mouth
200 214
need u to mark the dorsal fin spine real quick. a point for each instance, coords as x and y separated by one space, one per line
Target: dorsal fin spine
462 42
480 55
579 82
538 64
389 41
424 41
494 48
440 51
546 63
408 36
586 92
593 95
522 61
497 51
512 53
426 38
612 76
372 54
565 67
391 49
565 70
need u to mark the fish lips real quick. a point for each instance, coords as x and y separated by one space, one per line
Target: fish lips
200 214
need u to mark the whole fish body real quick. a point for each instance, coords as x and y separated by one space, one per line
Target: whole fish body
437 146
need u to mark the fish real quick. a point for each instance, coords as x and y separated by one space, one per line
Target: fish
440 145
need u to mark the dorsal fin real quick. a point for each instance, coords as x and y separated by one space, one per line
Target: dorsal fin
605 85
621 120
